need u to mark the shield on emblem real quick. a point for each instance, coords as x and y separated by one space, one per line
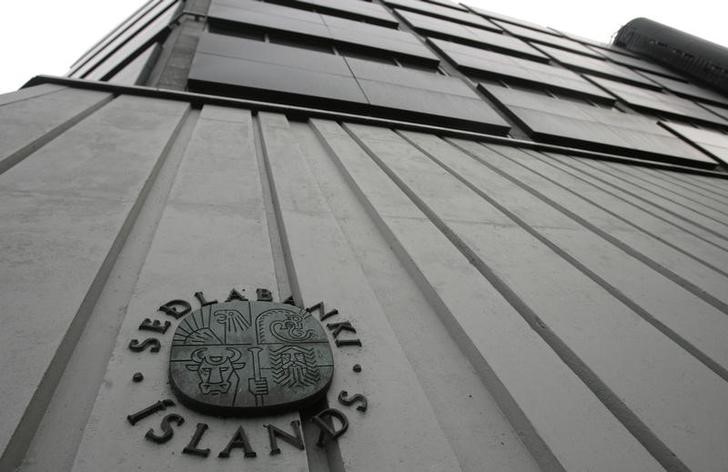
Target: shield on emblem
249 357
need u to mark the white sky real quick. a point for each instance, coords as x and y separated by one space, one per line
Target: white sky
46 37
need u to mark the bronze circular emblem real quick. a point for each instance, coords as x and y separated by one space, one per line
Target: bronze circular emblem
249 358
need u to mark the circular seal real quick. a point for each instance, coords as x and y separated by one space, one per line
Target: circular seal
249 358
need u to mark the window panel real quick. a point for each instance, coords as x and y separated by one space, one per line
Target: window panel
482 63
566 123
473 36
595 66
688 90
265 71
550 39
353 9
711 142
246 14
652 100
463 17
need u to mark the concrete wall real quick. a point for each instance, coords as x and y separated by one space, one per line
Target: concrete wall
518 311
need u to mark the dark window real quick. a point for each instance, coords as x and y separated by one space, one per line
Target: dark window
301 42
236 31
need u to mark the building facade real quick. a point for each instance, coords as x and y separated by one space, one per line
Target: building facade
340 235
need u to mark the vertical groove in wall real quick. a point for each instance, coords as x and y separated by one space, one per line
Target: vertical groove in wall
635 225
516 130
71 405
615 405
279 259
53 376
690 193
612 290
648 202
692 186
23 94
318 460
703 183
609 169
49 136
686 284
522 427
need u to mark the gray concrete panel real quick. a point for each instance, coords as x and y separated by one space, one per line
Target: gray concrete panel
212 236
669 399
66 209
685 210
624 276
324 267
684 256
28 92
27 124
479 433
507 352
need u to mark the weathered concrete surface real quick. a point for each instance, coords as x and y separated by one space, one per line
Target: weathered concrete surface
519 368
399 424
641 374
480 434
65 210
626 277
211 237
27 124
518 311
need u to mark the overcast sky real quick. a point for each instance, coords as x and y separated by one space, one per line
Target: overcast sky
46 37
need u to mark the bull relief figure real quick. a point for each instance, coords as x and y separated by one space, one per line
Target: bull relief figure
248 357
221 356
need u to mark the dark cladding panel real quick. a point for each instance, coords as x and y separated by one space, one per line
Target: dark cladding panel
453 110
354 9
270 17
265 71
639 97
424 93
444 28
637 63
265 68
596 66
260 80
597 44
368 70
382 39
514 21
712 142
566 123
259 51
473 36
688 90
441 12
550 39
502 66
